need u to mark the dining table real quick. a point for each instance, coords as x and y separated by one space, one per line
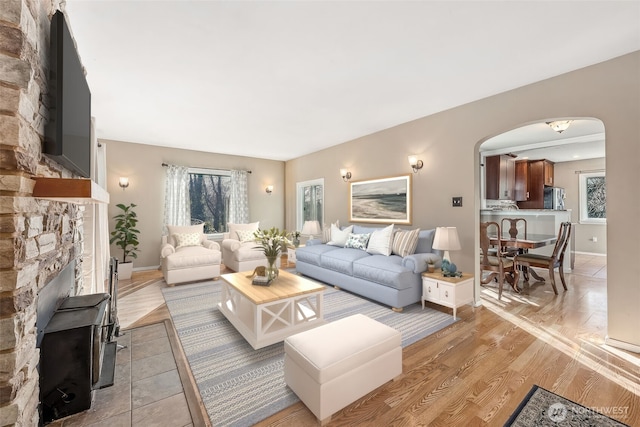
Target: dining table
532 241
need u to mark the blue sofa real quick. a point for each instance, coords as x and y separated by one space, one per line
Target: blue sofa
391 280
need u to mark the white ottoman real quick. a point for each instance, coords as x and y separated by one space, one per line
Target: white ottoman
335 364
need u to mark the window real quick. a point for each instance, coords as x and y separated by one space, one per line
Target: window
309 202
593 198
209 198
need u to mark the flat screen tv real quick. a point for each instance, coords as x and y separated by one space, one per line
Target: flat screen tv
68 132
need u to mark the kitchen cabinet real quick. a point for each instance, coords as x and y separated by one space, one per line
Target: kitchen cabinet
499 177
531 176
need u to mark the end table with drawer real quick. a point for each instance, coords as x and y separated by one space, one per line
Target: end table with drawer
451 292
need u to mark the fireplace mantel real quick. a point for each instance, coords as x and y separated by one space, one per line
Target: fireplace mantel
70 190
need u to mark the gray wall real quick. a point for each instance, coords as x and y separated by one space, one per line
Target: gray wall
565 176
143 165
448 144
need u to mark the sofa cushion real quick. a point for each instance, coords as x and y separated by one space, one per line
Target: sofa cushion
385 270
341 260
311 254
357 241
192 256
247 251
405 242
381 241
359 229
339 237
425 241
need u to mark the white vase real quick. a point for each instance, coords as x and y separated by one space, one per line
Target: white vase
124 270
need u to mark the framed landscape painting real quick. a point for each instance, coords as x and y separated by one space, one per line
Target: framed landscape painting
382 201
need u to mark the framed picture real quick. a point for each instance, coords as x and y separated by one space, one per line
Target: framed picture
382 201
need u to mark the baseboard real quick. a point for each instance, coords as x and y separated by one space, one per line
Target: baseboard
153 267
621 344
589 253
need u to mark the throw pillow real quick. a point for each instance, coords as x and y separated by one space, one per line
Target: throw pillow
357 241
183 229
245 235
233 228
339 237
187 239
326 232
405 242
381 241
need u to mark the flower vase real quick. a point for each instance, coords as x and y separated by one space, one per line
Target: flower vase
272 269
296 242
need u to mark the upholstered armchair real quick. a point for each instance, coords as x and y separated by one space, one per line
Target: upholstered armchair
239 248
187 255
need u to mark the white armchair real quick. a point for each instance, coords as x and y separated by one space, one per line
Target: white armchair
239 251
187 255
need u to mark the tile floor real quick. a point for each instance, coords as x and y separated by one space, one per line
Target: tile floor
147 391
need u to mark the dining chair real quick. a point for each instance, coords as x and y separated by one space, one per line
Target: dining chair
500 267
514 233
555 260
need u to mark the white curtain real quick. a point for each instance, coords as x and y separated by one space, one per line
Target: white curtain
177 207
239 198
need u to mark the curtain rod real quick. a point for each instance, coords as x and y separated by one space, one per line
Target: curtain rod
591 171
197 167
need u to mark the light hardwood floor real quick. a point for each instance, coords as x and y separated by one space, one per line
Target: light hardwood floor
476 371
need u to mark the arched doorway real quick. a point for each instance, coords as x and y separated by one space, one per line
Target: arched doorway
577 156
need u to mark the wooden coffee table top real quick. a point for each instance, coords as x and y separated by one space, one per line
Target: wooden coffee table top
287 285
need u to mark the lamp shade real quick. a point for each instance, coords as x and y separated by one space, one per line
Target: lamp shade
310 228
446 239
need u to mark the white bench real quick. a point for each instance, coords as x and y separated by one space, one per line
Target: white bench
335 364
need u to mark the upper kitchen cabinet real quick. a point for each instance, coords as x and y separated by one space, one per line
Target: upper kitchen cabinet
499 177
531 176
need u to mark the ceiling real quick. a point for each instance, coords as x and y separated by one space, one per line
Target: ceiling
281 79
584 139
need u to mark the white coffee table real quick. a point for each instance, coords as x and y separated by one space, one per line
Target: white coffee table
265 315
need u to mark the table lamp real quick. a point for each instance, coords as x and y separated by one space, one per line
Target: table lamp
446 239
310 229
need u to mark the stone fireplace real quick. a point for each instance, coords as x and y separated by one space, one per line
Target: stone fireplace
38 238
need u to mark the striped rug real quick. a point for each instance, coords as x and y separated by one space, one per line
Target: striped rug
241 386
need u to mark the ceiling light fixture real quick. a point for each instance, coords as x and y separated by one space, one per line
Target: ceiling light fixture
560 125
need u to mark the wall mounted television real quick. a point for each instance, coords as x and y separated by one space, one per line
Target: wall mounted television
68 133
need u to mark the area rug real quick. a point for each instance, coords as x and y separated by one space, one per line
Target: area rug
241 386
543 408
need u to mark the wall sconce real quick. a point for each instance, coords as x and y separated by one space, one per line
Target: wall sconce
269 189
415 164
345 174
123 182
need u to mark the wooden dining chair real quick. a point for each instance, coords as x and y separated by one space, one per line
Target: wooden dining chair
555 260
514 233
500 267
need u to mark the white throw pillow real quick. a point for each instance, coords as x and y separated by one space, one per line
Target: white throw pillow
339 237
187 239
326 232
381 241
233 228
246 235
183 229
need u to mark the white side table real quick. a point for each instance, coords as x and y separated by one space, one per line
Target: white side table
450 292
291 254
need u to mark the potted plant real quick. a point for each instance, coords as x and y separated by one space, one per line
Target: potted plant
125 236
272 243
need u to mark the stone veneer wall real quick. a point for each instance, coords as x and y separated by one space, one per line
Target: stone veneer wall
38 238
